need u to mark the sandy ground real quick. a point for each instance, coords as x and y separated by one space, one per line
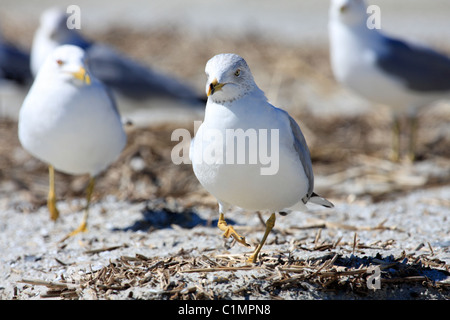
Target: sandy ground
152 229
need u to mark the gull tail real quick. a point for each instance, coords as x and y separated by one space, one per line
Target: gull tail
315 198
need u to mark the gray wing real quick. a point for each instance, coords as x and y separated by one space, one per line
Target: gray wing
134 80
113 100
420 68
14 63
125 75
303 153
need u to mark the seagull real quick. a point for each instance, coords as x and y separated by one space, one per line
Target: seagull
69 120
128 78
236 105
402 75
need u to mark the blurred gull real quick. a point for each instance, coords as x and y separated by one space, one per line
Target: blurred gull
131 81
236 104
14 63
15 77
69 121
402 75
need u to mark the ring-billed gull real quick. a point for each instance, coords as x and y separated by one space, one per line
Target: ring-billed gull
125 76
69 121
236 107
389 71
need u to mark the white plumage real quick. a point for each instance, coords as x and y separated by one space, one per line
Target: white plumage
236 104
69 119
72 125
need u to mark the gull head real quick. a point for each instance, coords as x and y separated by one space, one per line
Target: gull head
349 12
229 78
66 63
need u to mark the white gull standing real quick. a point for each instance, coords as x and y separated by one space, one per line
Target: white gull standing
401 75
69 121
236 105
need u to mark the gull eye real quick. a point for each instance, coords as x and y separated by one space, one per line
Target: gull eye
59 62
237 73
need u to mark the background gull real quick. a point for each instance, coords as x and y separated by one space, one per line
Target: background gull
389 71
133 83
15 76
236 103
69 121
14 63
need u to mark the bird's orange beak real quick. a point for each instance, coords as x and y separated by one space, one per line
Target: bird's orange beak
82 75
213 87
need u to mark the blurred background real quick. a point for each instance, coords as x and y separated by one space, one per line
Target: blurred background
285 43
288 21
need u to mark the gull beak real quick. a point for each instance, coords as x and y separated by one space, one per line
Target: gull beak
214 86
82 75
343 8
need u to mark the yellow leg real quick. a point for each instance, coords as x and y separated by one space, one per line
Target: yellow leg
396 139
270 223
51 199
413 124
83 226
229 231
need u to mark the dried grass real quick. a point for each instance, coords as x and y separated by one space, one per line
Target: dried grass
277 272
